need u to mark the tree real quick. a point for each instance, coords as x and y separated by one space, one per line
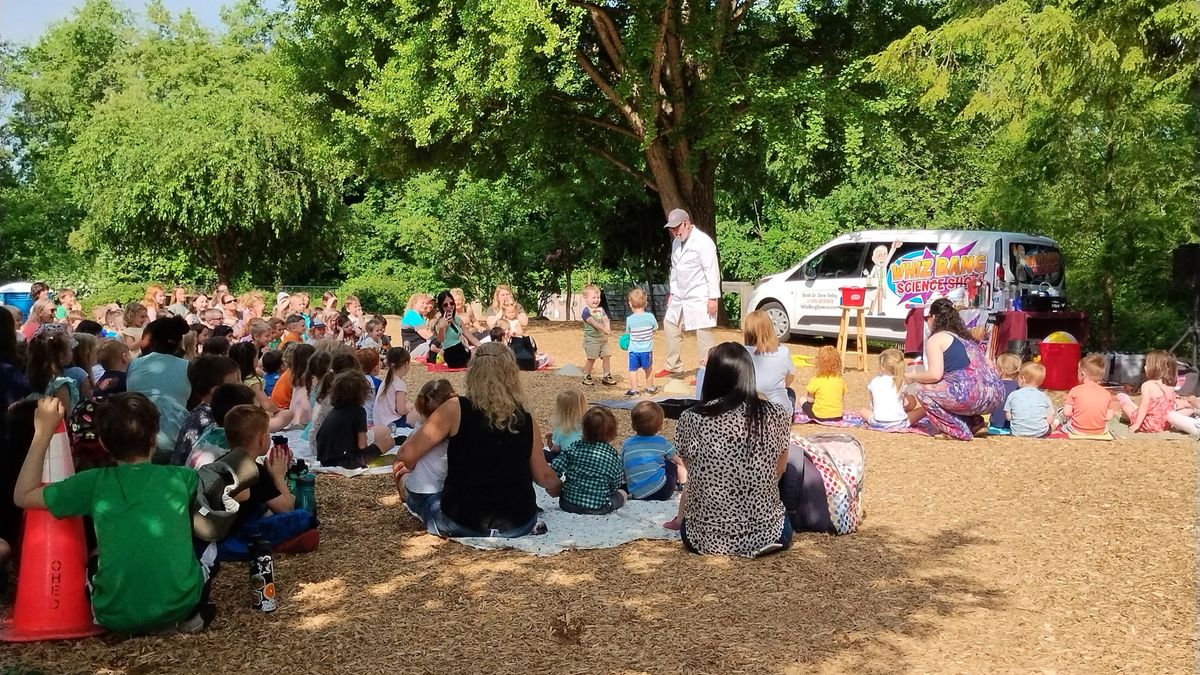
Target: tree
1092 125
197 147
660 90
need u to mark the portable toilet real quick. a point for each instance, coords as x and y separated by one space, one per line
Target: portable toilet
17 295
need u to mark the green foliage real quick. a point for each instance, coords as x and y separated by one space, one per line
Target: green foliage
388 294
1090 113
103 294
172 147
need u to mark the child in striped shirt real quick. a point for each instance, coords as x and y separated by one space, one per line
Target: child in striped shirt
652 468
641 326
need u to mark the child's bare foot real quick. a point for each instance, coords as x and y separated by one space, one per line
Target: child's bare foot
672 524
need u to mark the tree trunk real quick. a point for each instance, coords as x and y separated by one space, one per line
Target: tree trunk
1107 337
682 187
224 260
569 316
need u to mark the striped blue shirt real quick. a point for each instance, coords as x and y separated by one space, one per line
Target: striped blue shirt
641 327
645 459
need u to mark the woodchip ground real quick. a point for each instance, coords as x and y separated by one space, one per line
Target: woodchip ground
999 555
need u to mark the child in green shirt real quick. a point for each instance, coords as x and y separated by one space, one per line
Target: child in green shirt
146 576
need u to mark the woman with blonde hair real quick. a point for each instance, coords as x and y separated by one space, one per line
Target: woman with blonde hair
495 313
773 367
494 454
154 301
254 305
415 330
466 313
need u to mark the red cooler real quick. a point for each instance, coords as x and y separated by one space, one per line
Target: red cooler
1061 360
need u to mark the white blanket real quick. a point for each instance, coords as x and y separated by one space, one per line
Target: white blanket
635 520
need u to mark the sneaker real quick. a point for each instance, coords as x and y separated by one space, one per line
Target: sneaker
768 549
588 381
665 373
632 392
652 390
608 380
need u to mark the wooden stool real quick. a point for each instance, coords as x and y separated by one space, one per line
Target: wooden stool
860 335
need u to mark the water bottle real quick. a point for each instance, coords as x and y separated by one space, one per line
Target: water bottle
306 492
297 469
262 576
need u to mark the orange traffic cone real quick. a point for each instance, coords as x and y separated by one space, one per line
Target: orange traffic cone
52 601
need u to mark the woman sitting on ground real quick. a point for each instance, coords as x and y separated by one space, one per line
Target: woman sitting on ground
466 312
414 325
734 444
494 454
456 342
959 383
495 314
773 367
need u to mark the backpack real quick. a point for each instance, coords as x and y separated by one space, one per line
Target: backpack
86 449
840 462
525 349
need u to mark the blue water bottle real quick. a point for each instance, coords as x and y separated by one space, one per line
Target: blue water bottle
306 492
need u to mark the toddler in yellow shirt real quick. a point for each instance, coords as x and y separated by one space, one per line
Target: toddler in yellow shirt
827 389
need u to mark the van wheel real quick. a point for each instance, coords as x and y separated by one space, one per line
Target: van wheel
779 319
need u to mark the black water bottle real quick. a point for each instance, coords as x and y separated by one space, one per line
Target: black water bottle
262 576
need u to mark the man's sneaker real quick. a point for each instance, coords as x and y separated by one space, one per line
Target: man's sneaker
588 381
666 373
632 392
652 390
608 380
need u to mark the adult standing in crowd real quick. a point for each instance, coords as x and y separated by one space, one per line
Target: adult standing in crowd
162 375
695 291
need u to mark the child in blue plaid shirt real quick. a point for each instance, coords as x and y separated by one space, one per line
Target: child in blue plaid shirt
591 469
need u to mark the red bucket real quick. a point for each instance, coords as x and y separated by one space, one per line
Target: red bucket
853 296
1061 360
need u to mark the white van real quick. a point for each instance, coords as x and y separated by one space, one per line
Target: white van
908 267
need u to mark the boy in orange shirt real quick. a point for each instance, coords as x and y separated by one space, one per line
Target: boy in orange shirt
1089 405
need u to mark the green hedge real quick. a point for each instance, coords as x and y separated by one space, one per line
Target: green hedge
121 294
389 294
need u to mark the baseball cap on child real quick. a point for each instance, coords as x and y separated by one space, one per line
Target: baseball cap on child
281 296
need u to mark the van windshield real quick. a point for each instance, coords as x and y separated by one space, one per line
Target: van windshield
1036 263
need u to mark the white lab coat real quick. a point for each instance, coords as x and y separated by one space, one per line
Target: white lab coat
695 279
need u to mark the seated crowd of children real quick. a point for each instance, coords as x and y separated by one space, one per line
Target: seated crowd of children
333 374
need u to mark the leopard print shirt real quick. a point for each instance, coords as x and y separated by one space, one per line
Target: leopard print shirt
732 503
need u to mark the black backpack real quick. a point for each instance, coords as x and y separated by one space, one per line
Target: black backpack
525 349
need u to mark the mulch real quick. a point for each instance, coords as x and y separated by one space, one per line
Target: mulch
995 554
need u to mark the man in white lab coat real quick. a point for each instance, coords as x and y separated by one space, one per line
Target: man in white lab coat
695 290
